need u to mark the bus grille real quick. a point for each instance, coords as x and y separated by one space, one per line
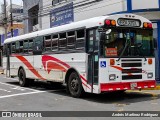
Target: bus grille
132 69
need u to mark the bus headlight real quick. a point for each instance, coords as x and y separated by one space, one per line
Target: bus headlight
112 77
150 75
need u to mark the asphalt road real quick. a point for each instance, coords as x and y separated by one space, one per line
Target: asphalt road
44 97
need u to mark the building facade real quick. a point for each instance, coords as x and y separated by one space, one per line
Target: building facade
17 18
43 14
17 27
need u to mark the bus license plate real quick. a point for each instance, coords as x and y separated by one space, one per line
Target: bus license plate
133 85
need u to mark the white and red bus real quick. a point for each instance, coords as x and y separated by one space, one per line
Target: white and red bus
101 54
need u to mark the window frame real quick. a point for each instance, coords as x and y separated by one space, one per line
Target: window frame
54 39
61 40
80 38
44 39
73 45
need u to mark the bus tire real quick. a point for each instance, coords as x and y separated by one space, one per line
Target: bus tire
74 85
23 82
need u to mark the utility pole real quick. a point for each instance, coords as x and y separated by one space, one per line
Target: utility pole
5 19
11 18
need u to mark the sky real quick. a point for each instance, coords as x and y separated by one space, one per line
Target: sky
18 2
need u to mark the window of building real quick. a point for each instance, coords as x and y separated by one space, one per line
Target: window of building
56 1
35 21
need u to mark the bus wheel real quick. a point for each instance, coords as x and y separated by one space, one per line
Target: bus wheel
22 78
75 85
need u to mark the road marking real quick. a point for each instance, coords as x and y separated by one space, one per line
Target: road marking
20 87
29 93
4 90
20 94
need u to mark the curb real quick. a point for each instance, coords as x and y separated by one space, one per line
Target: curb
156 88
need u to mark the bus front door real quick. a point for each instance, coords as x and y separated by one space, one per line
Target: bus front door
93 57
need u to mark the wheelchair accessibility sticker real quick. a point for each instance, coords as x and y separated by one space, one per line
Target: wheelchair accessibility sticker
103 64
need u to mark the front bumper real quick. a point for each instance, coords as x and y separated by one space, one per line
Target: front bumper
127 85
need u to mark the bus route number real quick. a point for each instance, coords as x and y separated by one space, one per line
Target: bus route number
128 22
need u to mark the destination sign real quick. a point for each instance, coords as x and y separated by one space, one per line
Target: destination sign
129 22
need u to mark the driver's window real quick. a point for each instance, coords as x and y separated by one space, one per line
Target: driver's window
91 38
114 42
38 43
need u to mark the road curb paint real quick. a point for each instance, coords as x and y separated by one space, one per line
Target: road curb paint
156 88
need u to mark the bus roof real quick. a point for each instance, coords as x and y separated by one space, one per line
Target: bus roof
88 23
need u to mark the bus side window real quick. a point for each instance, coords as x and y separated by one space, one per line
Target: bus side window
71 37
62 41
25 46
47 43
17 47
38 45
13 47
80 39
55 42
20 46
30 46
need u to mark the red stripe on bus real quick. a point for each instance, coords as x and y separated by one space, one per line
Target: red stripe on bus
83 78
45 58
119 68
85 85
51 65
30 67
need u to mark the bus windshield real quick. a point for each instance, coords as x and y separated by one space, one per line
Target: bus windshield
128 43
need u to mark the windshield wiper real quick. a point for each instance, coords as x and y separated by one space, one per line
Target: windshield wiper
126 45
139 45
